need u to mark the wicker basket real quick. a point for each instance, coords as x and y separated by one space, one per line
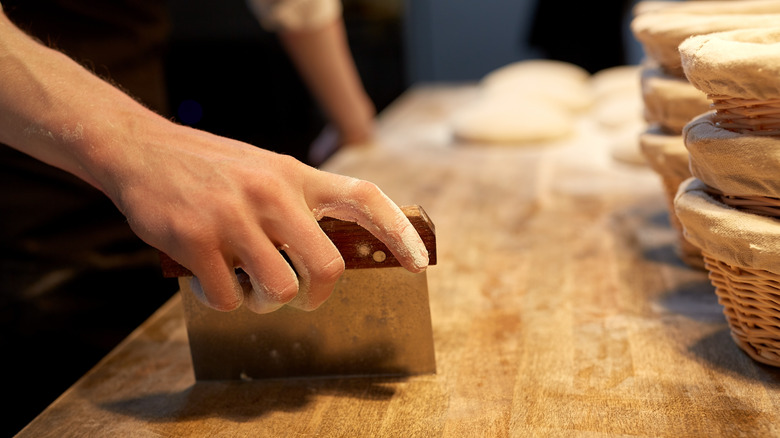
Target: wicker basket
750 297
756 117
670 162
735 157
762 205
686 251
747 283
751 303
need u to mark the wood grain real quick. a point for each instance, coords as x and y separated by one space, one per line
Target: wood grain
559 308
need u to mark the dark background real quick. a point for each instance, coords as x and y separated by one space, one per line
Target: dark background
74 281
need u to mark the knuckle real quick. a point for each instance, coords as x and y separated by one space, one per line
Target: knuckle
329 272
323 281
185 231
289 160
365 189
281 292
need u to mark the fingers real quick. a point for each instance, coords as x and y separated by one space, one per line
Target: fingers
294 230
215 285
318 262
363 202
273 281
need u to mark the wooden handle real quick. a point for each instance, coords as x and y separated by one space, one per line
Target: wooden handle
359 248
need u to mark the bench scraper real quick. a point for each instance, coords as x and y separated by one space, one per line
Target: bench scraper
376 322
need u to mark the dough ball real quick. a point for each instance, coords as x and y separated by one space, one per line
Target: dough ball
619 110
623 79
561 83
501 120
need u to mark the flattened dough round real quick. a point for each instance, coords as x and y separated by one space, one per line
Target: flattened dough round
561 83
494 120
623 79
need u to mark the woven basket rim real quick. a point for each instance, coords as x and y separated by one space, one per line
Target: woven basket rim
747 116
761 205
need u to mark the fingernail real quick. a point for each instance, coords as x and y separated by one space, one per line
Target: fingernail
260 301
197 290
421 260
200 294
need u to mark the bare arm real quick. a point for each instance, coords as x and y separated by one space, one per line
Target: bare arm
323 59
211 203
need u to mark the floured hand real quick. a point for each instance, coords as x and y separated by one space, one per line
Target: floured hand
214 204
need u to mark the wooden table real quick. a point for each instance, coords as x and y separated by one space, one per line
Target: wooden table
559 308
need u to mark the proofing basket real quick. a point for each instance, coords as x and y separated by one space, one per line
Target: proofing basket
747 285
667 156
751 303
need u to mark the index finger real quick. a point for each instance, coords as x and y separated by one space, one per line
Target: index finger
363 202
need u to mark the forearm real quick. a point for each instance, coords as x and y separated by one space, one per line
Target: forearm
56 111
323 59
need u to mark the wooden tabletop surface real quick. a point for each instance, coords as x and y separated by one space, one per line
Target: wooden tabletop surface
558 304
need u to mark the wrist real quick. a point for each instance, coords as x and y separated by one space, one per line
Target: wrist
354 118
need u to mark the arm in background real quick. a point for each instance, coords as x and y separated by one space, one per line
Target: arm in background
314 36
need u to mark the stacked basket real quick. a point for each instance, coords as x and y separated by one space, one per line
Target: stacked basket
731 209
670 101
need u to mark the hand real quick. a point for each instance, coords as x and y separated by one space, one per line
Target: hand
214 204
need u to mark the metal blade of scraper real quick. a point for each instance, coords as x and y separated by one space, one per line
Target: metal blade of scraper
376 322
